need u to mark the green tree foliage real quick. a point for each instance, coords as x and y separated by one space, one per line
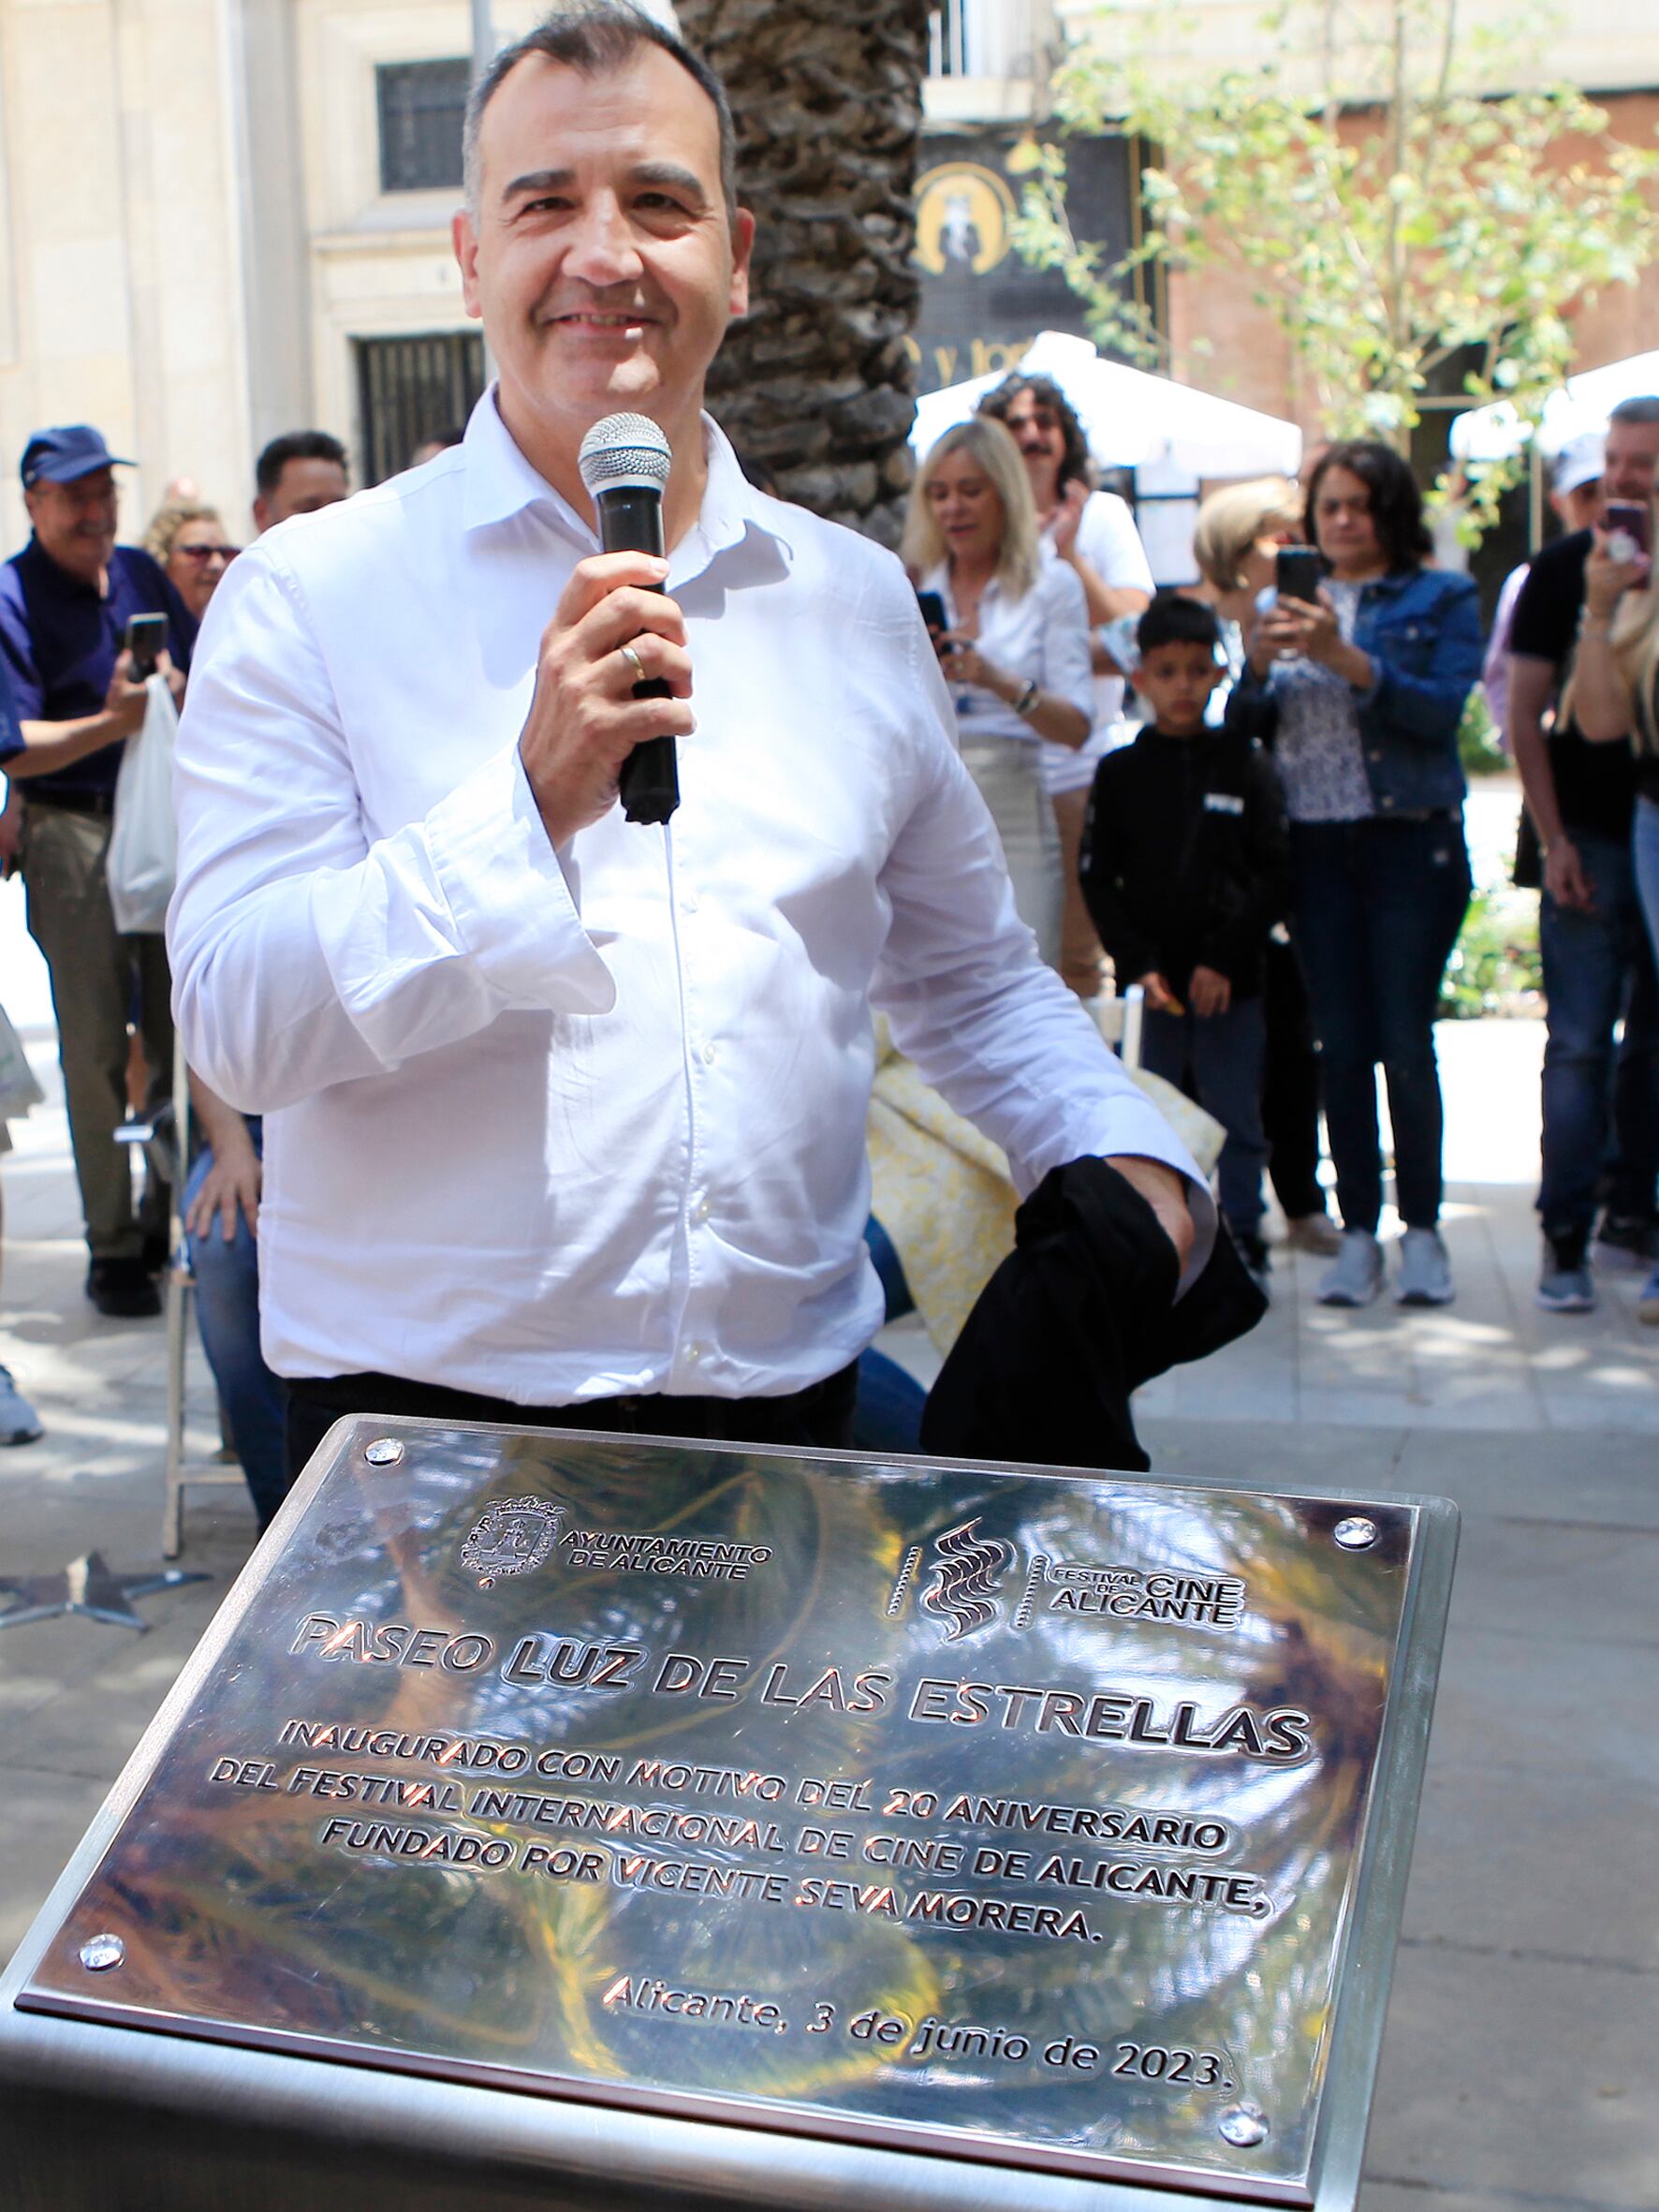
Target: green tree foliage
1389 217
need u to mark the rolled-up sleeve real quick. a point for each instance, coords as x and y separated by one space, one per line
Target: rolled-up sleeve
305 952
989 1025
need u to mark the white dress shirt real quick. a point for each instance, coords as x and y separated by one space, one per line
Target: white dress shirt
1109 542
558 1126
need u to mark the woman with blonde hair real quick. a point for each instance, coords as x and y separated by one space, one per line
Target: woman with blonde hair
188 540
1614 692
1014 646
1240 529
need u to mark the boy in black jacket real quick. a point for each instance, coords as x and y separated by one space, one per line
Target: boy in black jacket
1184 866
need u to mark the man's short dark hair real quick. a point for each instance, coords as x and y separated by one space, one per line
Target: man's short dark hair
1643 409
596 37
1396 503
1173 619
294 445
1074 467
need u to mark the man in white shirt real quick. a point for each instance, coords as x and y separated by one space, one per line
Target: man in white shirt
1094 533
565 1114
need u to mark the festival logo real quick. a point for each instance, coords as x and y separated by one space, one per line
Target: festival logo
513 1537
968 1569
964 1589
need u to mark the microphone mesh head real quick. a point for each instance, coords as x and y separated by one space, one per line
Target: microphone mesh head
623 449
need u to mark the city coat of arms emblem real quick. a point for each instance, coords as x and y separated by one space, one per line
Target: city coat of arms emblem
513 1537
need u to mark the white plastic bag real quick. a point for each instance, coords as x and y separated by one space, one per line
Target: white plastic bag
144 847
19 1090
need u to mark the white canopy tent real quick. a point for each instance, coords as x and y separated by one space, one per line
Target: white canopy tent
1133 419
1170 435
1584 404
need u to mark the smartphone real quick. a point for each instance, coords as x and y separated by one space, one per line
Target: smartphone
933 612
1298 572
1629 527
145 638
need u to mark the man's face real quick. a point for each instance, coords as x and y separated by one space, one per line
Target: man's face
303 486
1037 430
76 522
602 256
1632 457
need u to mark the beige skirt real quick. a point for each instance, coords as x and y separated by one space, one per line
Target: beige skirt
1009 778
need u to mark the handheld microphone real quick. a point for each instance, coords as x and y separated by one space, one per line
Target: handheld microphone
624 464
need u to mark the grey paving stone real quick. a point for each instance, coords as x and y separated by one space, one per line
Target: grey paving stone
1273 1455
46 1816
1587 1476
1521 1861
1519 1700
1597 1583
1527 2078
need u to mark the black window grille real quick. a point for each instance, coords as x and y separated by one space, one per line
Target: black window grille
410 390
423 104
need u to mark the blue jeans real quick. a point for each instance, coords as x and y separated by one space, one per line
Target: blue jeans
1376 908
1217 1060
888 1416
1598 967
227 1313
1645 847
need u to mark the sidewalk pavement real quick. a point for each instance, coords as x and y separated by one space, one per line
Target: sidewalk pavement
1517 2073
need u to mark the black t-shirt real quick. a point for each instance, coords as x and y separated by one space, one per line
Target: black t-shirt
1595 784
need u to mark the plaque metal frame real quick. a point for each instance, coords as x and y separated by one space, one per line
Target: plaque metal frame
72 2084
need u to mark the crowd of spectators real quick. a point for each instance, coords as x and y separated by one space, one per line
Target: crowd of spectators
1247 800
1288 901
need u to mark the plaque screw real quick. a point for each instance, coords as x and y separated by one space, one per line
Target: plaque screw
1242 2126
1356 1534
99 1952
384 1452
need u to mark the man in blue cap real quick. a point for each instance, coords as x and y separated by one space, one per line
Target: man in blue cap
64 604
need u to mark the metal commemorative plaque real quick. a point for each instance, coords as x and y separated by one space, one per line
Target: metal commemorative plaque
1044 1821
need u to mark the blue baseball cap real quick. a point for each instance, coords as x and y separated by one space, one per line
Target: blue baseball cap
73 450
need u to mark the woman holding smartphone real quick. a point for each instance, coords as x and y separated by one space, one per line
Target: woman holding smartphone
1614 693
1360 690
1015 647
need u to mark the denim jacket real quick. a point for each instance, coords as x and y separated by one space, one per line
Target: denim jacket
1421 629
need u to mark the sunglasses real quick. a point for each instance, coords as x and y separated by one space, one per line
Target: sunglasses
208 553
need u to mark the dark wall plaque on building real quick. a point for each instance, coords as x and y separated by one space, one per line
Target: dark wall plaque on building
981 305
1032 1825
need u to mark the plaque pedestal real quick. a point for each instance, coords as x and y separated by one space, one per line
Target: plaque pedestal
551 1817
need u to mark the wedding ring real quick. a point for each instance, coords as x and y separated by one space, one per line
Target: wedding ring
634 662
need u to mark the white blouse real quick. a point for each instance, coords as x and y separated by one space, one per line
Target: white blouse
1044 636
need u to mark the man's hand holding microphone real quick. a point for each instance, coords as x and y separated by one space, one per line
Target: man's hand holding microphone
613 629
613 677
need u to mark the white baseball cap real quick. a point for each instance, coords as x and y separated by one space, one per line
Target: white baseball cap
1580 462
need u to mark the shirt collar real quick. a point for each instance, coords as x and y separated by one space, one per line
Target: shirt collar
52 578
500 484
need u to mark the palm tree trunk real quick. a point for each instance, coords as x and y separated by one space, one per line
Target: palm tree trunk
817 381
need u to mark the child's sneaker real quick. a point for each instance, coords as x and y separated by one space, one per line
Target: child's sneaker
1564 1285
